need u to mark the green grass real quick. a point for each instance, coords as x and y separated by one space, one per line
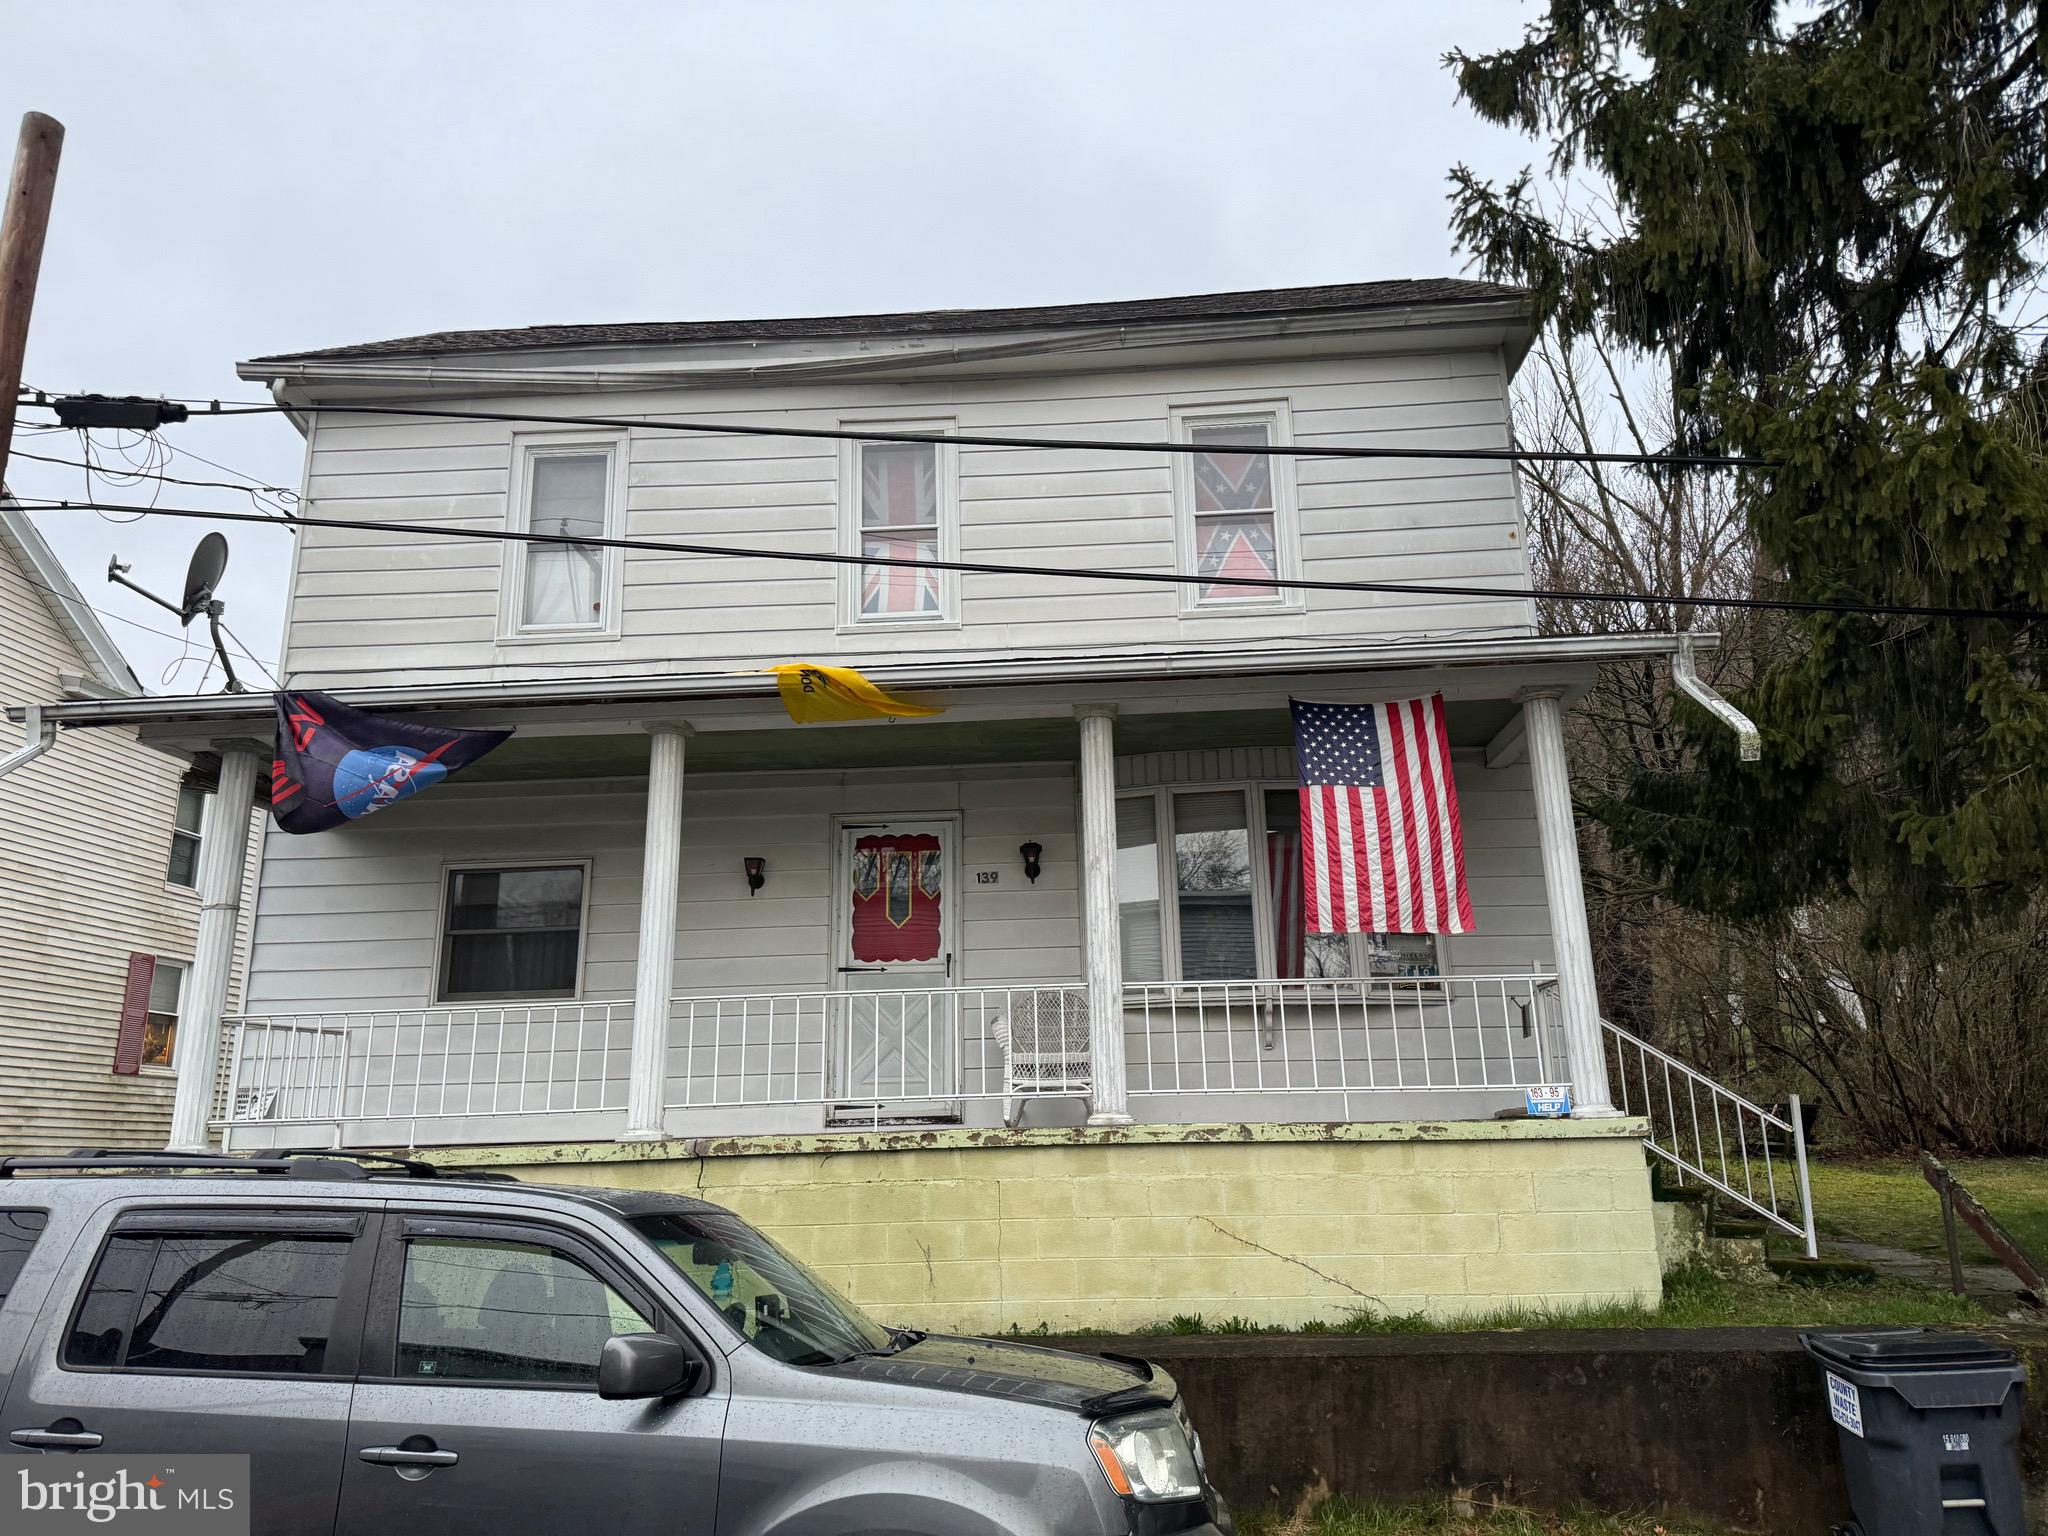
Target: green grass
1693 1298
1889 1202
1461 1516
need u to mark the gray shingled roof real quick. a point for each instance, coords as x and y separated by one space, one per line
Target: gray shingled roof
934 322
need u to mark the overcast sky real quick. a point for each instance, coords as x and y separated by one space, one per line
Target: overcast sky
243 178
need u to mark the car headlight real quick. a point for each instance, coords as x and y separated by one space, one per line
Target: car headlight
1146 1456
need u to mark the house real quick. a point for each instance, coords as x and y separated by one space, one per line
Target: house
1005 1015
99 858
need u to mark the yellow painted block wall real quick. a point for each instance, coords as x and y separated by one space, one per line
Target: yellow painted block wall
983 1238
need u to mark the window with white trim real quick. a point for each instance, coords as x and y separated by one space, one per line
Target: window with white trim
186 822
1209 889
901 502
160 1023
565 487
1234 508
512 932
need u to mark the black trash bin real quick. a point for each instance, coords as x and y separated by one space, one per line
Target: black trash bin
1930 1430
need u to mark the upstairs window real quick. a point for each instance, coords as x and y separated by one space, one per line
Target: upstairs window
185 824
1234 508
903 506
565 488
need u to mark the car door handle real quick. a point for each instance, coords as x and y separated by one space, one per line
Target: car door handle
57 1439
398 1456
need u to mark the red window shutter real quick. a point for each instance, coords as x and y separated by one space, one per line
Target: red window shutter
134 1014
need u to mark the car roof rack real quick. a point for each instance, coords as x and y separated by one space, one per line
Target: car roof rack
288 1162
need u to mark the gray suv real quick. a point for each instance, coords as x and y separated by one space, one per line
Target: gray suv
401 1349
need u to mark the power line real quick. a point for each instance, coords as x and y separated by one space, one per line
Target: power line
1507 455
146 474
183 637
1085 573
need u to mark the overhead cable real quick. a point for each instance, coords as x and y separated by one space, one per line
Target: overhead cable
1084 573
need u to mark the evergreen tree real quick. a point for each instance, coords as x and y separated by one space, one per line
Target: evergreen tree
1828 221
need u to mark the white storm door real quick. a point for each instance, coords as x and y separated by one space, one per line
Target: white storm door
897 918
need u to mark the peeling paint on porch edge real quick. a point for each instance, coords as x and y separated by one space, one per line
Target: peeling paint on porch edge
965 1138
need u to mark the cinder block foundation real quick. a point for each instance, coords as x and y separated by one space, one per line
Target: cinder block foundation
980 1231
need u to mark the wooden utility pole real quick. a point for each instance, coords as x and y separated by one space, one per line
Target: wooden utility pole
23 223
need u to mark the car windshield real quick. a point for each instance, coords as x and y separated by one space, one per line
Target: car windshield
783 1308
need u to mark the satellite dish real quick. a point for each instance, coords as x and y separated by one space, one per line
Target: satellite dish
209 560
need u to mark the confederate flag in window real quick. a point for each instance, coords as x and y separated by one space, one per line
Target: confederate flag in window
896 897
1233 510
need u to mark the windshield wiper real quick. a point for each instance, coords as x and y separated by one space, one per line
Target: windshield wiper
899 1339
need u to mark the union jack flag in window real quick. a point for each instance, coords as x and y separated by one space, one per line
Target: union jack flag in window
1234 542
899 520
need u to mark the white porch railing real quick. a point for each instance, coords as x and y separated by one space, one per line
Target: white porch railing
427 1063
1343 1035
1713 1136
877 1049
870 1054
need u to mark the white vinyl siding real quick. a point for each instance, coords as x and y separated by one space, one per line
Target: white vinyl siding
386 608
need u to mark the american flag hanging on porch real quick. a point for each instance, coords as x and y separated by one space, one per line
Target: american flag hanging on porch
1382 850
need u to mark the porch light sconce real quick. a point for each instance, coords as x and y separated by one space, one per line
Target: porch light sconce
1031 851
757 874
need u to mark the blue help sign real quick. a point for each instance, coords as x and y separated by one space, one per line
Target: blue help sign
1549 1101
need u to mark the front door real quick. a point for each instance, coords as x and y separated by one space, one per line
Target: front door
894 1052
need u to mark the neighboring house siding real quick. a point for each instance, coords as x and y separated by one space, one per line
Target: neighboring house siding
373 608
85 834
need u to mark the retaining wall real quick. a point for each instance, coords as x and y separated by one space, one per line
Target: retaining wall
1726 1423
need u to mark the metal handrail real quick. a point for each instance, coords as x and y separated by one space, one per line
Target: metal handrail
1668 1129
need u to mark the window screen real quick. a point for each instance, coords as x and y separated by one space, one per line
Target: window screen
1213 872
1137 888
475 1310
512 932
567 495
899 520
18 1233
1296 951
160 1024
1234 533
191 812
260 1302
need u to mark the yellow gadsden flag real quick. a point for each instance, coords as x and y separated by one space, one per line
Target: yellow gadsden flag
812 693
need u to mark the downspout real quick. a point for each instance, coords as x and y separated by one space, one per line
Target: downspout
1686 675
38 736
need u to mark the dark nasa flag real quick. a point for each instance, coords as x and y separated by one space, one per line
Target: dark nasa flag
335 764
1382 850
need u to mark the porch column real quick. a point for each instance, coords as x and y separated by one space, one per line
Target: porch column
223 861
654 974
1578 994
1105 961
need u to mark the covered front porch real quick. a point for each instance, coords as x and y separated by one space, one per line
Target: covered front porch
1060 904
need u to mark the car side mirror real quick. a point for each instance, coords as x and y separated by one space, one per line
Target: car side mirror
645 1365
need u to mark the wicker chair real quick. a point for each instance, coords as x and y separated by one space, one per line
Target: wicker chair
1044 1040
